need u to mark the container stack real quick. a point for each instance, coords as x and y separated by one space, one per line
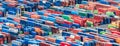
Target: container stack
59 23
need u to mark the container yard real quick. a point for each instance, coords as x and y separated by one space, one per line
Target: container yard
59 22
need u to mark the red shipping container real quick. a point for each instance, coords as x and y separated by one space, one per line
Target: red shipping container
102 10
17 19
67 22
40 37
110 36
75 17
90 8
86 39
12 25
26 33
58 13
35 16
77 21
81 6
59 20
117 12
50 10
77 37
103 40
113 19
81 22
97 44
70 39
97 37
98 18
5 37
1 12
44 44
51 39
12 4
98 5
93 33
25 2
0 29
0 4
35 0
64 44
46 14
116 32
113 2
112 29
115 35
76 31
23 18
1 40
71 2
107 44
49 23
9 0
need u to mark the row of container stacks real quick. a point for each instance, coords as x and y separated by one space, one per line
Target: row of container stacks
59 23
17 7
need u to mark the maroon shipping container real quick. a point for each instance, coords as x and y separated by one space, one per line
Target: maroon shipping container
40 7
35 0
65 3
26 33
7 37
44 44
55 29
71 2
